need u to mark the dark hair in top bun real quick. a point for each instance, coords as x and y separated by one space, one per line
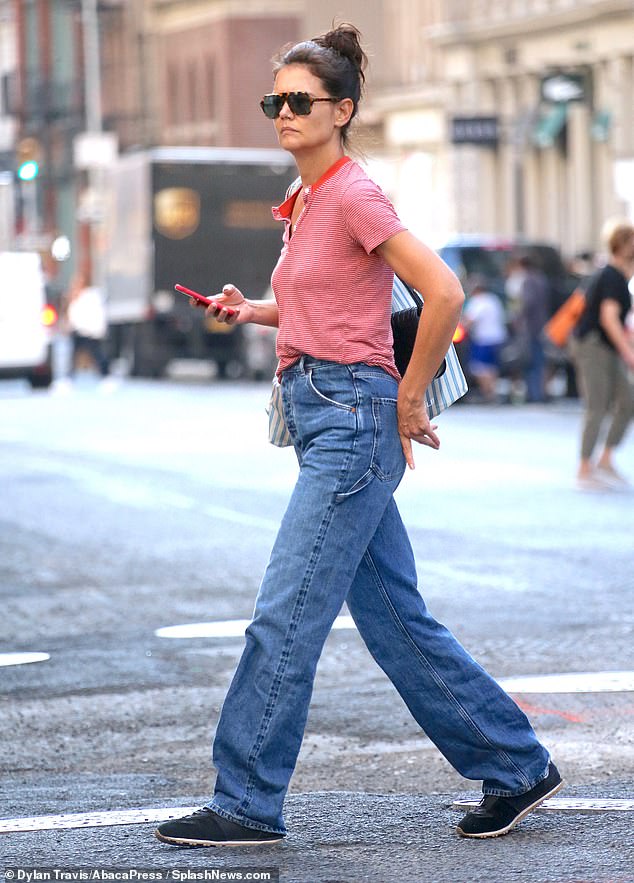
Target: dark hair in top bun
337 59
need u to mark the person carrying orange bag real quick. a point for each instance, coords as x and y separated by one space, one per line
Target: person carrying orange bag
560 326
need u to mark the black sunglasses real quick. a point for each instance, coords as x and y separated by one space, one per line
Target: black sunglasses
300 103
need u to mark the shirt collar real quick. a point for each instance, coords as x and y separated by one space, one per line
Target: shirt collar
284 211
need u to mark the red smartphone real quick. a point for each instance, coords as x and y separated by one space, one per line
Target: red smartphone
203 300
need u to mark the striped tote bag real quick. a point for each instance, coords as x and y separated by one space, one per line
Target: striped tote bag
449 384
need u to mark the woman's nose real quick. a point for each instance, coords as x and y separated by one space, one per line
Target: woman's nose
285 110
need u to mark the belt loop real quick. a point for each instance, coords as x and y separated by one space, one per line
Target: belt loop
302 365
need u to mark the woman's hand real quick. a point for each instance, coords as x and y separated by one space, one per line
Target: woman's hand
260 312
413 423
233 298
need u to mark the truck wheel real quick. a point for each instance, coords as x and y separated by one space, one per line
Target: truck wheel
158 370
41 376
40 381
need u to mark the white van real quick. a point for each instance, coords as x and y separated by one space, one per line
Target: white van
25 319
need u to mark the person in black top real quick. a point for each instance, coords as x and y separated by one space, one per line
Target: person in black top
603 354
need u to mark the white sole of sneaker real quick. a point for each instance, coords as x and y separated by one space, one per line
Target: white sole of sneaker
183 841
487 835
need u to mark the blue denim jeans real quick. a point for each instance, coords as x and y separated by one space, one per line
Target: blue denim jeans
342 539
535 371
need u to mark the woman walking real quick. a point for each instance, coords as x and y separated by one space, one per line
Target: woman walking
603 354
352 420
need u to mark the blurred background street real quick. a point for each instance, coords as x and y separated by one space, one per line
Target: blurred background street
155 505
134 156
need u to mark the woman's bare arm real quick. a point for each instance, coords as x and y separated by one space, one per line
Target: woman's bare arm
421 268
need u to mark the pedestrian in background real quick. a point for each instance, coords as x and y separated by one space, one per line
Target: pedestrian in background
484 319
603 354
534 307
85 314
352 420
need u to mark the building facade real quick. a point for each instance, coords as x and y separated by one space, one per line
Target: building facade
213 63
501 117
167 72
558 80
8 65
482 116
44 102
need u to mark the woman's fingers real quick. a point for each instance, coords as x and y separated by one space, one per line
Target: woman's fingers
225 306
429 439
223 313
406 444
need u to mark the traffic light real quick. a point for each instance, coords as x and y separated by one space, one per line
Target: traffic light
28 159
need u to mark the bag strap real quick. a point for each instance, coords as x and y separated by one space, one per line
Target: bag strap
404 297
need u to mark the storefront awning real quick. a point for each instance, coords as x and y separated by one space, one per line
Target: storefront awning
550 125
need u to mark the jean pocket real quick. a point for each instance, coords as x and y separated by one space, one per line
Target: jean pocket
380 455
330 389
388 460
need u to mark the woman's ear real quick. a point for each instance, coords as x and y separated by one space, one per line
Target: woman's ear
343 111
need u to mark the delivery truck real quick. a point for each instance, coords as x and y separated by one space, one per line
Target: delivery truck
200 217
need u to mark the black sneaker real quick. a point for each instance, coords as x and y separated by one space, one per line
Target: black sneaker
206 828
497 815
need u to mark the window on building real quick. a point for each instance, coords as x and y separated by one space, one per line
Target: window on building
210 70
192 92
173 104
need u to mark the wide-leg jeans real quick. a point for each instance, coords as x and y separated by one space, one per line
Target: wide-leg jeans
342 539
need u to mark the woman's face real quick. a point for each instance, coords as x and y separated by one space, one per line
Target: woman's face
321 126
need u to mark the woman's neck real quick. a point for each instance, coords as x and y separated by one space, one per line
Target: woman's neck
313 165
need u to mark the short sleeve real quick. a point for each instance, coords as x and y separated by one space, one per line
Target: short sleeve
369 215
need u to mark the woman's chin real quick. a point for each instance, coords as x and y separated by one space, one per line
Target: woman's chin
288 139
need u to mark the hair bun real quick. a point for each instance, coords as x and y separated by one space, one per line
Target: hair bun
337 60
346 40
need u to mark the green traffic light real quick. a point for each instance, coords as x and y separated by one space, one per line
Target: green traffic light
28 170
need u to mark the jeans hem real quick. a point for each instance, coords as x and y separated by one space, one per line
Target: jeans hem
499 792
241 820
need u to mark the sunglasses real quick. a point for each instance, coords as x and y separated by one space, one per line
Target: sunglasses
300 103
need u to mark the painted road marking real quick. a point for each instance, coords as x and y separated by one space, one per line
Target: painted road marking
94 819
573 682
230 628
145 816
569 804
22 658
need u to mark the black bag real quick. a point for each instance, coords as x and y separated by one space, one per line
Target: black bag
404 328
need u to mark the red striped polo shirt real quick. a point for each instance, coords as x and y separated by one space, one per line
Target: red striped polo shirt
332 290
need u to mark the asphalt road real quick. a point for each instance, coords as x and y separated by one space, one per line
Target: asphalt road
157 505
